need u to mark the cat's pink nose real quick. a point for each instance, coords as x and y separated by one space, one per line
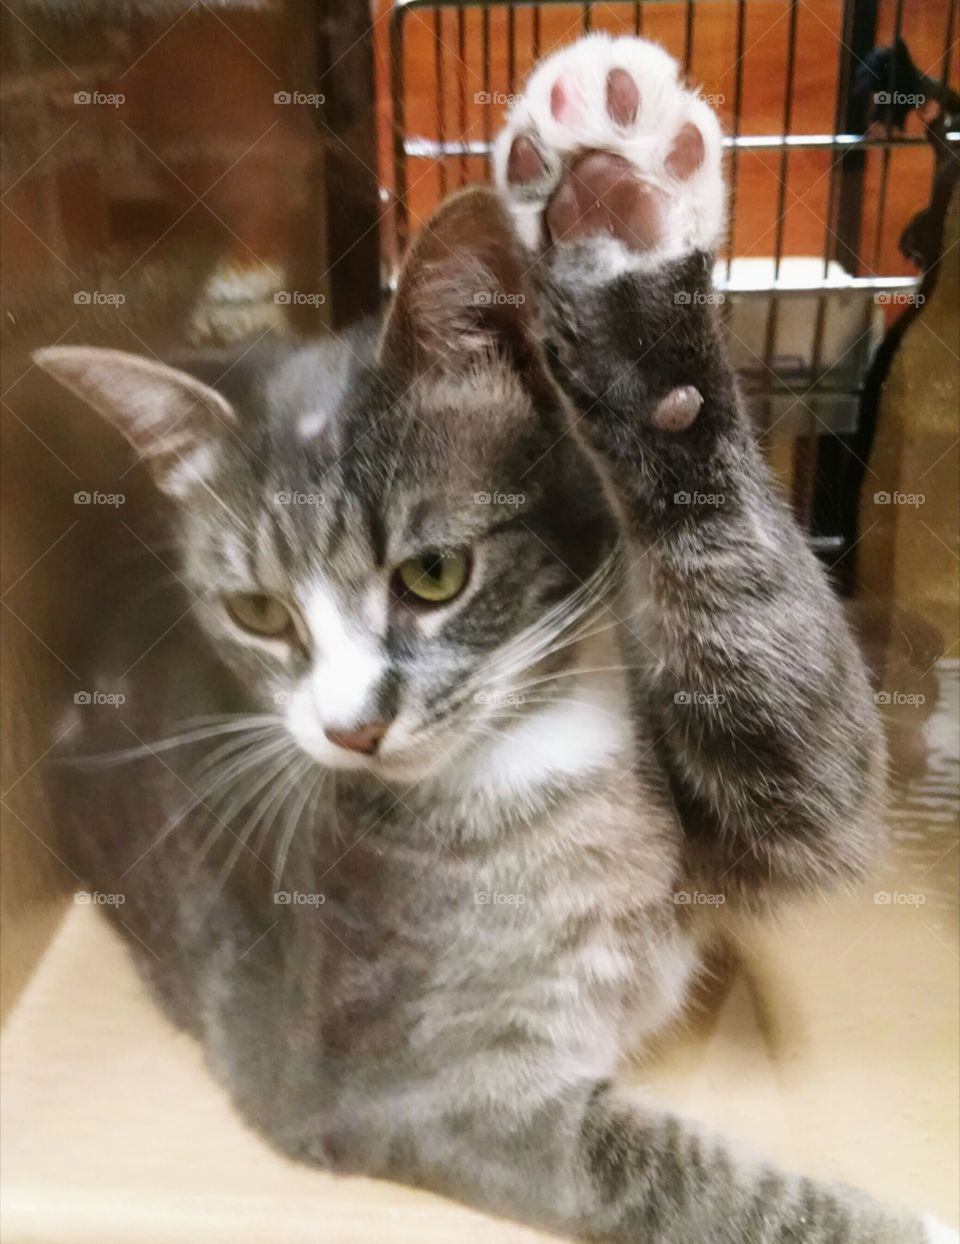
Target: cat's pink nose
364 738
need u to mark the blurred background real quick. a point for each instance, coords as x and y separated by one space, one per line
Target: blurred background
182 175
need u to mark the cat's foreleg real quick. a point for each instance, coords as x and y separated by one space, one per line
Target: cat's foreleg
599 1163
758 695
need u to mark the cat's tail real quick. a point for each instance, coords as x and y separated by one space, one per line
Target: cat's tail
602 1165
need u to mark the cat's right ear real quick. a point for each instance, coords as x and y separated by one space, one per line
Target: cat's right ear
171 419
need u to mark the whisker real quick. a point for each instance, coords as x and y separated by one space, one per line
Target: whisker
269 752
126 754
311 792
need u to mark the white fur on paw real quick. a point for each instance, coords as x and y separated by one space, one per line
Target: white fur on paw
938 1232
563 126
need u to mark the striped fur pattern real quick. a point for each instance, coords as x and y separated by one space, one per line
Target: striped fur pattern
427 964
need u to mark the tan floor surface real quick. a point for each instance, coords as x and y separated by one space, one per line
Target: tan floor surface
831 1046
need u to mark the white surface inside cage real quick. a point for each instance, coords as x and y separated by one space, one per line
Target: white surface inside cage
849 328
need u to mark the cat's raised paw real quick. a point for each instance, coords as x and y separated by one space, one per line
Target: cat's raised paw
607 144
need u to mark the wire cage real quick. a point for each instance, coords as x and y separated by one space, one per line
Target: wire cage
811 275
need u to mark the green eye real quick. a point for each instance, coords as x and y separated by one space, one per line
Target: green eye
259 613
433 576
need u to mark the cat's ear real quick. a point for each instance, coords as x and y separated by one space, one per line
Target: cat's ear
170 419
461 293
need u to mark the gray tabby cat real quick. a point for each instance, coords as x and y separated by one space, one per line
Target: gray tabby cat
493 636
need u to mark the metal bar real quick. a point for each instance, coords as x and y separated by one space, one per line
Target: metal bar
638 18
462 111
426 147
401 211
737 117
345 71
830 285
588 16
688 39
773 318
438 46
485 45
511 47
885 158
787 122
859 36
952 10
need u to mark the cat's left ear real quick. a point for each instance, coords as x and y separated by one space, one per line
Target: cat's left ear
171 419
461 295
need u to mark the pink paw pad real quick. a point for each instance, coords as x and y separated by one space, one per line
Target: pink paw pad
623 98
601 195
566 100
677 411
687 153
524 163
